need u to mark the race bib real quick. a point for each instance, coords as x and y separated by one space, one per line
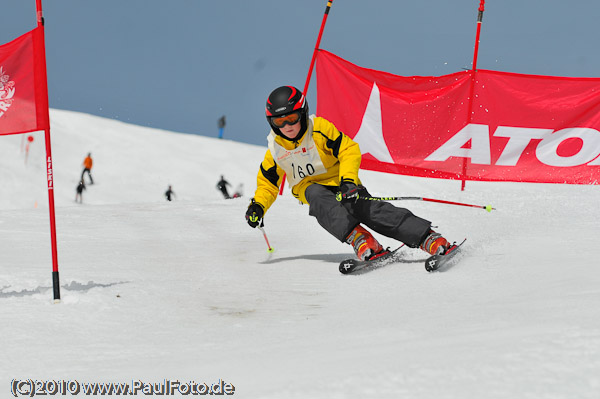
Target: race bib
301 162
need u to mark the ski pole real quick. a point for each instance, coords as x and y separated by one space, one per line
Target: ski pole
266 239
486 207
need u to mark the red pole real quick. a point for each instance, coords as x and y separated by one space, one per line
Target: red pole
486 207
266 239
310 68
314 56
472 90
49 168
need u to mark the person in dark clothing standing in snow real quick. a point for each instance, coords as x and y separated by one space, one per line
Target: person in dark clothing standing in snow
170 193
321 164
221 124
222 185
79 189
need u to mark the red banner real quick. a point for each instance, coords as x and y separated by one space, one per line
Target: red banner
23 89
513 127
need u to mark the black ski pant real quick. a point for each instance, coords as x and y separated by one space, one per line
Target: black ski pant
340 218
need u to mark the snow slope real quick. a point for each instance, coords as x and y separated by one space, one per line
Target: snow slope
186 291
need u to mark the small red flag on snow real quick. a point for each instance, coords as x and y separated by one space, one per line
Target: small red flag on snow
23 88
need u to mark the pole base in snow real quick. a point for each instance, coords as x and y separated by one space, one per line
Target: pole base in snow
56 287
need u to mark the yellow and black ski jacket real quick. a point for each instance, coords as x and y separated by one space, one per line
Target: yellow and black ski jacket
324 155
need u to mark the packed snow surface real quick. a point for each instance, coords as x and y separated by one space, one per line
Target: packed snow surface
186 290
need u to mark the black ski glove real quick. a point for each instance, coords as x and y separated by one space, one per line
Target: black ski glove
254 214
350 191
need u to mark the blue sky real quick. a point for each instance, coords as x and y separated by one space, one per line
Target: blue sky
181 64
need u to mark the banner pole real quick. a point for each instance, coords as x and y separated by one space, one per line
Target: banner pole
472 89
49 167
314 56
310 68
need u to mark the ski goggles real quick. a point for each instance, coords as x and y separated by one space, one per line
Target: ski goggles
289 119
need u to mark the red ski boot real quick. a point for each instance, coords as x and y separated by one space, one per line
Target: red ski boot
434 243
364 244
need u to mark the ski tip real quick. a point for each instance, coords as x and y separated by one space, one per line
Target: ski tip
431 264
347 266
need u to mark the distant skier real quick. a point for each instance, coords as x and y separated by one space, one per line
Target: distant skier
222 185
321 164
79 192
170 193
87 167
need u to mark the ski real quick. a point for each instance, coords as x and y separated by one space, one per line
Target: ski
434 262
350 266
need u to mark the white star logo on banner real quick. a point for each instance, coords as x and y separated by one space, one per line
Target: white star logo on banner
370 135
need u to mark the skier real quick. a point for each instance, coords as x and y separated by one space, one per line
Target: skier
169 193
222 185
79 189
321 163
87 167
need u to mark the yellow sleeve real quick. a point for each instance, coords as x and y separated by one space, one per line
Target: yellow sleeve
268 181
343 148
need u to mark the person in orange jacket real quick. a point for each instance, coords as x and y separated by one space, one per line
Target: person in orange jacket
87 167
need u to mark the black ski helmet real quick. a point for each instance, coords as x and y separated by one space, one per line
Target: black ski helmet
285 100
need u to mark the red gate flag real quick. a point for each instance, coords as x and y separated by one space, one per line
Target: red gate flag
524 128
23 87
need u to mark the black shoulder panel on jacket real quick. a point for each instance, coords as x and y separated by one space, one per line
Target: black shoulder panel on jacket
270 174
333 144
